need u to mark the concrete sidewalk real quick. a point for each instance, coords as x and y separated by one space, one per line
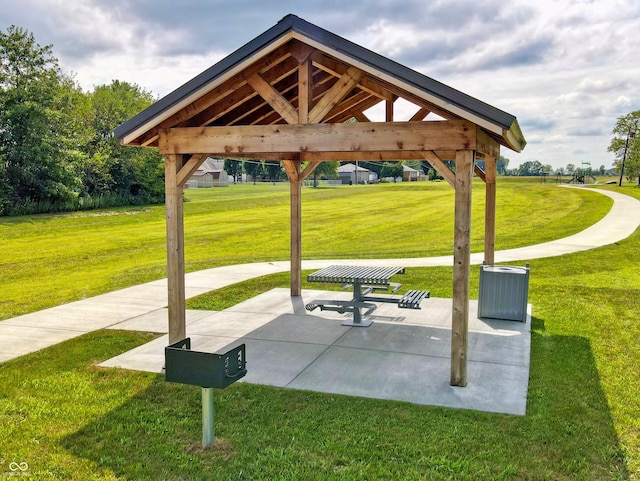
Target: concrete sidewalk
143 307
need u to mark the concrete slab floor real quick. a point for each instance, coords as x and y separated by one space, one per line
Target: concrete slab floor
404 355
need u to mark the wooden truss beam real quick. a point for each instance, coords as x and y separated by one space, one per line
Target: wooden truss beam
346 156
190 167
420 115
281 105
335 95
353 137
440 167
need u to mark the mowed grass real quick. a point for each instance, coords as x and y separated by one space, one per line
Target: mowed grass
52 259
72 420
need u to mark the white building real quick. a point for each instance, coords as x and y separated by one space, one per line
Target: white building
348 175
210 174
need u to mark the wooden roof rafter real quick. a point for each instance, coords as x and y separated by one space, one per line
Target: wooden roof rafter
214 96
223 94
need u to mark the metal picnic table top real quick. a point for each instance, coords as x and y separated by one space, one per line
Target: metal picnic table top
355 274
363 279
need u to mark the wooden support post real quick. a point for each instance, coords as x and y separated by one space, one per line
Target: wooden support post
175 248
389 110
305 91
461 267
296 231
490 210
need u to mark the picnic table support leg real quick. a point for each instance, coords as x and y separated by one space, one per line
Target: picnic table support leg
356 320
207 417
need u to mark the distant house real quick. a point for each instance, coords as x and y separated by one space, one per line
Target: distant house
409 174
210 174
349 174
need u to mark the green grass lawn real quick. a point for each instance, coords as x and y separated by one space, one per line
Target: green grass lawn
53 259
69 419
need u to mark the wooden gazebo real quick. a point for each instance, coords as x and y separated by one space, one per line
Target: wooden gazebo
286 96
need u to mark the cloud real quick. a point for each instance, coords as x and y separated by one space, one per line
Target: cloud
587 132
539 124
565 68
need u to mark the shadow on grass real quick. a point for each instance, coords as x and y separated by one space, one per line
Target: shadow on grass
271 433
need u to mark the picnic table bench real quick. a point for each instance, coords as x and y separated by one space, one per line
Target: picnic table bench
364 280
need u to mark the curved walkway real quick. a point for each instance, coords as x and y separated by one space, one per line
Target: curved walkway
144 305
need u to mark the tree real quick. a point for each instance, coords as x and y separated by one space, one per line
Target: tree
325 170
234 168
531 167
434 175
571 169
625 147
392 169
274 170
502 163
253 168
137 175
38 145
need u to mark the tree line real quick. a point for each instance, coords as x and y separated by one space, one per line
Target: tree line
57 149
58 152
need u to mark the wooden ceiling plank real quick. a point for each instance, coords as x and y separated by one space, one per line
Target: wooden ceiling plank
335 95
243 93
420 102
379 156
337 69
354 101
362 107
207 100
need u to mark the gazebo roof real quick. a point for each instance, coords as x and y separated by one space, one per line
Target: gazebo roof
290 94
233 91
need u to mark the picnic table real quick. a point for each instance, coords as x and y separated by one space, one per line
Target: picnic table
364 280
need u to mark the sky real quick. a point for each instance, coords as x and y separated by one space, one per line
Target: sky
567 69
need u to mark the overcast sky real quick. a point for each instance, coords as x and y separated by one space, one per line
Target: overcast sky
565 68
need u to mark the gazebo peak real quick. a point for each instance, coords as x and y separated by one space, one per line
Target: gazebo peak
259 84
